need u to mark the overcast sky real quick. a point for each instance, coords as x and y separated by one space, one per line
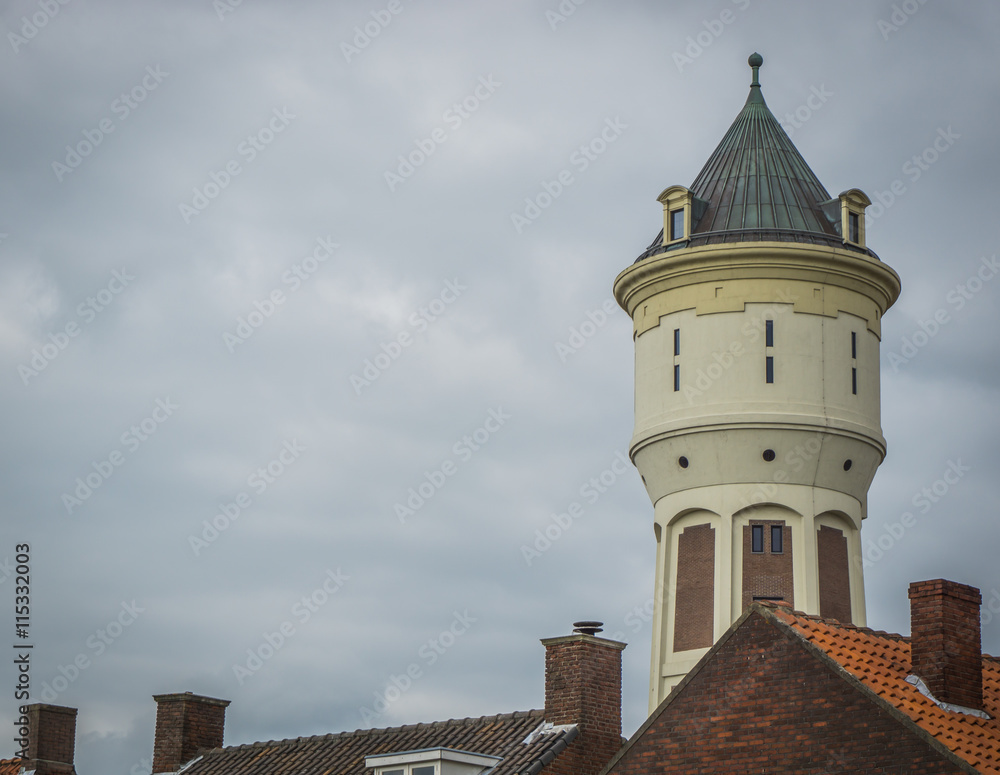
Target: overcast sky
276 260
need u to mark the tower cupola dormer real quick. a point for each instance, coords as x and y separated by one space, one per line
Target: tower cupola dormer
757 317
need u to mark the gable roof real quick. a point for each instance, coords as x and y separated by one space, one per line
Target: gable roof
881 662
344 753
877 664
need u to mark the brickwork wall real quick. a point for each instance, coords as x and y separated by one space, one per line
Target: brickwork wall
945 647
763 704
186 724
583 686
834 574
767 574
51 738
694 610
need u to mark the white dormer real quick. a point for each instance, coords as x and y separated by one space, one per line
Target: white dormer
432 761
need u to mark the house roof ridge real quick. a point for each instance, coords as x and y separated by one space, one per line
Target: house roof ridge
380 731
788 611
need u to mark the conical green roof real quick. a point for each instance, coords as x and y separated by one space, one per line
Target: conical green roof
756 178
756 185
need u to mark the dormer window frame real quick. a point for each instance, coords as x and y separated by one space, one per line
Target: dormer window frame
852 216
440 761
678 200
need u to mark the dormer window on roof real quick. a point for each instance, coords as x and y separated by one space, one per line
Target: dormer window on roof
432 761
681 212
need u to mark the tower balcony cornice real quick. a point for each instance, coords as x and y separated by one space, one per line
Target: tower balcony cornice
777 261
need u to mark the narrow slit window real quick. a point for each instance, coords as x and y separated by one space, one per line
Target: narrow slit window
677 341
769 333
854 381
757 539
677 377
677 224
854 344
854 229
769 369
777 536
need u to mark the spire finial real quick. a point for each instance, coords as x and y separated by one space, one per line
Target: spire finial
755 60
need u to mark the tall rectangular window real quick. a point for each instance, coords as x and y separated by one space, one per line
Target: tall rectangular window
854 381
677 224
769 369
854 344
677 377
757 539
677 341
777 534
769 333
854 228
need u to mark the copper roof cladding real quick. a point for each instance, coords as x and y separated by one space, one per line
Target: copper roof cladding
757 186
344 753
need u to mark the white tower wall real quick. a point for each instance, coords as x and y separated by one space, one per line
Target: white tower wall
705 415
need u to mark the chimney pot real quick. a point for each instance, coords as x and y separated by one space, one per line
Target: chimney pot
945 640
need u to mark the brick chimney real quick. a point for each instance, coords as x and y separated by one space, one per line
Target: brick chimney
185 725
945 648
583 686
51 739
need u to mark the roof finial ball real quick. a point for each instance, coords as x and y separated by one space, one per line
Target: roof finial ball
755 60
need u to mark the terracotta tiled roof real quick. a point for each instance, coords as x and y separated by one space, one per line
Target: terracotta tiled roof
881 662
10 766
344 753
